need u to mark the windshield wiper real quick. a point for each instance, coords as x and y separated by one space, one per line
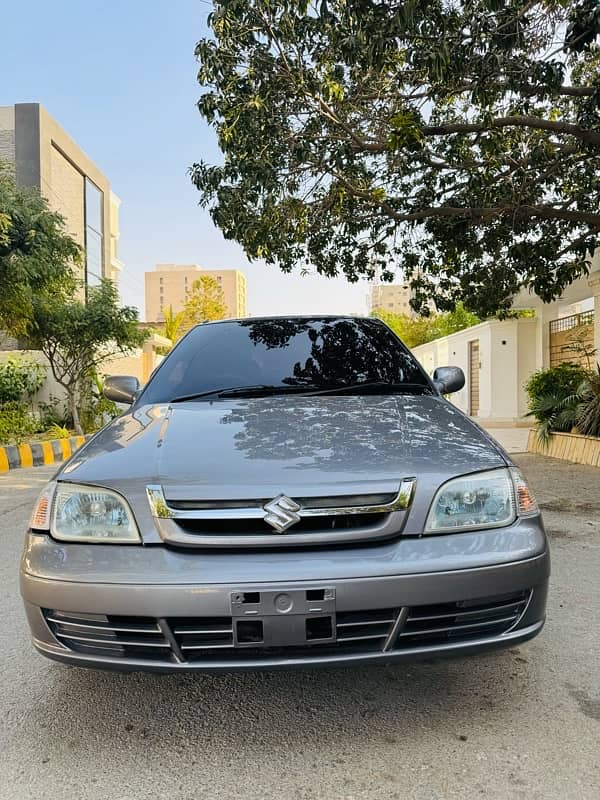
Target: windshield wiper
243 391
376 387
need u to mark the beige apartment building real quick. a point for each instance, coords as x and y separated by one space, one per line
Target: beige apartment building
44 156
392 297
168 285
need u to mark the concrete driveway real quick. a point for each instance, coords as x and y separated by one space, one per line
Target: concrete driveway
520 724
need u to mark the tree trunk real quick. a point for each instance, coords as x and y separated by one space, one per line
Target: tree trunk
72 392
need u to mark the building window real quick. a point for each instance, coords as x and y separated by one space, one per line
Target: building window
94 234
160 280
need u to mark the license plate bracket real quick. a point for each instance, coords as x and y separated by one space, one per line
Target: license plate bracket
289 618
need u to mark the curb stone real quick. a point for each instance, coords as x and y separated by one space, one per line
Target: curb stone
38 454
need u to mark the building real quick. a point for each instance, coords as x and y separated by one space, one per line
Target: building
44 156
391 297
168 286
498 357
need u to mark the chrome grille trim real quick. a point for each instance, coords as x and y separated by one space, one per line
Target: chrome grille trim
340 524
458 628
121 637
456 622
202 633
107 627
351 500
99 640
162 510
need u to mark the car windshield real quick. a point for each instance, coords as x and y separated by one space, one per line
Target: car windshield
282 356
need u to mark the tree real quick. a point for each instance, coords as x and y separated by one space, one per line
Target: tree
76 337
35 252
172 324
418 330
457 142
205 302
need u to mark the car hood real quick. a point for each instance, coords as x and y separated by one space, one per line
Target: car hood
301 446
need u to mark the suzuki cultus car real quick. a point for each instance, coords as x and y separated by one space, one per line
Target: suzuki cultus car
284 492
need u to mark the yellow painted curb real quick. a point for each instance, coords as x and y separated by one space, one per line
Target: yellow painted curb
48 452
65 446
38 454
26 455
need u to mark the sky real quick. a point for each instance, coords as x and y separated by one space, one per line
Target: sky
120 77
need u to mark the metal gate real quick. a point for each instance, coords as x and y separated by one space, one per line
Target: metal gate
474 366
572 339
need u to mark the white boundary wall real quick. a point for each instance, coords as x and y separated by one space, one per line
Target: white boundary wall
508 356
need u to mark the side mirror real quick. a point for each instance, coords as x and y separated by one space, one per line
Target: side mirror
448 379
121 388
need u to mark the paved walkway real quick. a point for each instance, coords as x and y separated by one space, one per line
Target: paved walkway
513 440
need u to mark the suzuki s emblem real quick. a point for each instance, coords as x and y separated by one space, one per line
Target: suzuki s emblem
281 513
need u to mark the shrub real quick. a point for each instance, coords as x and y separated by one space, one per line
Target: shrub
16 424
96 410
54 412
20 379
563 380
553 397
58 432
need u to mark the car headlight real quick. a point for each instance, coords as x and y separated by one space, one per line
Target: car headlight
484 500
77 513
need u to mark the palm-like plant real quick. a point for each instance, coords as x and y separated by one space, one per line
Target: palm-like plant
560 399
554 412
587 416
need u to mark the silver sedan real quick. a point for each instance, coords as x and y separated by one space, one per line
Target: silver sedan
284 492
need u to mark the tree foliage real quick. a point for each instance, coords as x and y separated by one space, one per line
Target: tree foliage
76 337
205 302
172 325
35 252
20 378
419 330
456 141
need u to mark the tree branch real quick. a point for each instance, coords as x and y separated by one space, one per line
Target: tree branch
476 213
589 136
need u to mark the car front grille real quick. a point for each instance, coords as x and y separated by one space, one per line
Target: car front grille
110 636
211 639
197 640
281 521
458 622
198 635
253 527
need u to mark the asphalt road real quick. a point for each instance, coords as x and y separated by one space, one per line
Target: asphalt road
520 724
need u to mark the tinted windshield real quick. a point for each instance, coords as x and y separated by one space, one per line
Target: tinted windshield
309 353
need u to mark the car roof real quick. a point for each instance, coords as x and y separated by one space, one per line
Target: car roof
293 318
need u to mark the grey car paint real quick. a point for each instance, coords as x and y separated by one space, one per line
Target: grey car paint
300 446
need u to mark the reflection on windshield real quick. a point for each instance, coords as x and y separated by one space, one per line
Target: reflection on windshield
312 353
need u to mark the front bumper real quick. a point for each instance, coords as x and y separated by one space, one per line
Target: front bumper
182 625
